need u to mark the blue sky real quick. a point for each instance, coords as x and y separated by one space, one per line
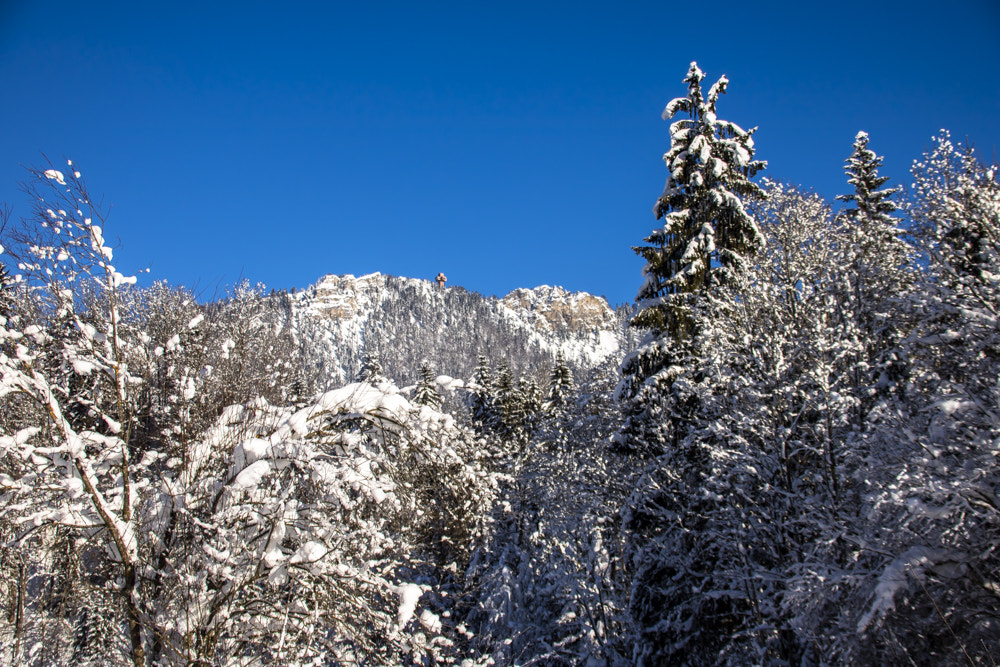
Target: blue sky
507 144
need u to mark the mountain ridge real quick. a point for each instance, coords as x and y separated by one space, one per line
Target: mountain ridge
407 321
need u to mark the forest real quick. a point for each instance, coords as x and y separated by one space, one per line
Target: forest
792 461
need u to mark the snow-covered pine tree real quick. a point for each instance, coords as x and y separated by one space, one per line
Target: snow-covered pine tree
704 249
561 385
876 253
942 503
707 234
872 205
707 239
508 403
530 407
483 396
547 584
875 263
371 368
427 392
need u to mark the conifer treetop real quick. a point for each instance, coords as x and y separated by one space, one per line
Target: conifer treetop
861 168
707 235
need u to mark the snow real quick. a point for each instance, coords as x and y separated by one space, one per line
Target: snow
250 451
449 383
895 577
118 279
409 595
364 397
430 621
952 405
55 175
252 475
310 552
272 552
83 367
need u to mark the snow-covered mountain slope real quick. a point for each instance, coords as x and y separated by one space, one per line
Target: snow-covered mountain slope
408 321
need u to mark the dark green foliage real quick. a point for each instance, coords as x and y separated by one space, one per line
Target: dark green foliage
483 397
504 408
707 241
707 236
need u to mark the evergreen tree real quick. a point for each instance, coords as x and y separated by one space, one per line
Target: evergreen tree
371 369
300 387
427 392
529 408
561 385
874 263
695 265
549 588
706 240
873 206
876 253
942 505
507 399
483 397
707 234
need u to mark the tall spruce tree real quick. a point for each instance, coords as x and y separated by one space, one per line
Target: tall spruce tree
483 399
699 259
707 234
874 261
707 239
877 254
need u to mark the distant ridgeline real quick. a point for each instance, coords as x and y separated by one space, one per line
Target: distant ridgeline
405 322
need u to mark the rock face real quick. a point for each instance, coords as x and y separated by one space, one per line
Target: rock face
555 310
407 321
344 297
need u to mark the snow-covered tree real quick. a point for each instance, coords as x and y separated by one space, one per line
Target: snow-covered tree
371 368
934 597
741 534
707 236
483 396
78 476
550 589
561 385
427 392
707 240
875 272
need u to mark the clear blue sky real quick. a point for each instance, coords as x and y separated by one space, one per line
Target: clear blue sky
507 144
